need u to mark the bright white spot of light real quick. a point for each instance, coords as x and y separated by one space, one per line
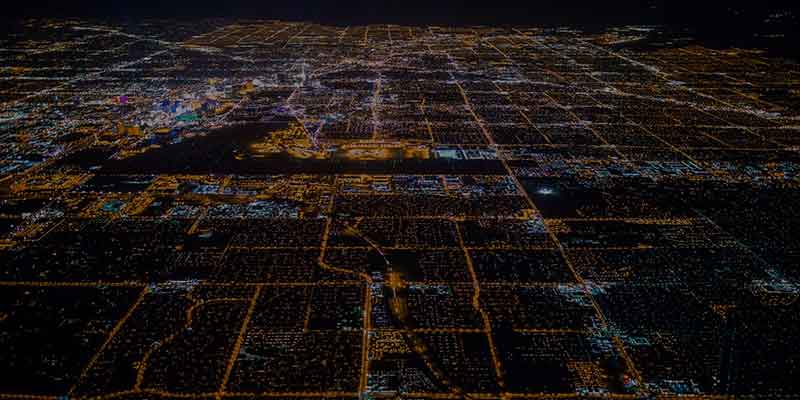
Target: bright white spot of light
545 190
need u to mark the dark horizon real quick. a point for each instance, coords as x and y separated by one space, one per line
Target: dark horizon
468 12
765 24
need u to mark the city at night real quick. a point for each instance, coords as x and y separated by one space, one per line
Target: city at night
353 201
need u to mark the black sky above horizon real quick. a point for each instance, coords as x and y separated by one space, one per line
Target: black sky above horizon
734 18
489 11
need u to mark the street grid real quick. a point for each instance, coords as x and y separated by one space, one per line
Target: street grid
387 211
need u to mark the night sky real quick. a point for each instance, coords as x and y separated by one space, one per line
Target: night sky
471 11
734 19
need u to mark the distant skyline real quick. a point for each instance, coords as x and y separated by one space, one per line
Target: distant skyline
768 24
